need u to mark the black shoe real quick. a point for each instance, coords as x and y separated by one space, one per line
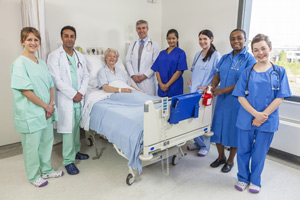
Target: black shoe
217 163
82 156
72 169
227 167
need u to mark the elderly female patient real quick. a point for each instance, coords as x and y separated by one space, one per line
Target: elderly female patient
110 73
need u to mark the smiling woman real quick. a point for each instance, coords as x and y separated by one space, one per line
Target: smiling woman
224 121
31 42
34 109
203 69
110 73
258 118
169 67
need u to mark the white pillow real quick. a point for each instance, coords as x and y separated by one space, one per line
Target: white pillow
96 62
120 65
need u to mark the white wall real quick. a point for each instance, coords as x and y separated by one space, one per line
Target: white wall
102 23
190 17
10 49
111 23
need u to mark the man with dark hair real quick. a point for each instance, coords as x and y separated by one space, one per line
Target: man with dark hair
70 76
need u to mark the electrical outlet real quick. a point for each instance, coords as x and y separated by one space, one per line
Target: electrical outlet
94 51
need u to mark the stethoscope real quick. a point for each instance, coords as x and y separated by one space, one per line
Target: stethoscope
238 64
203 66
148 48
78 61
273 88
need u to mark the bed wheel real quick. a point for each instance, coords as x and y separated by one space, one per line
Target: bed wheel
174 160
129 179
89 142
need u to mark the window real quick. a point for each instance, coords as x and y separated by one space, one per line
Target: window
280 21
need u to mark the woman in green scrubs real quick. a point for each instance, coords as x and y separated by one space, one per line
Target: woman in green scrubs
34 109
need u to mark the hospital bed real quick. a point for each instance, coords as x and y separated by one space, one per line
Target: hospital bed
154 136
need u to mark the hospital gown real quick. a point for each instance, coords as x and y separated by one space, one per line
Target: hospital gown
229 69
260 97
107 76
167 64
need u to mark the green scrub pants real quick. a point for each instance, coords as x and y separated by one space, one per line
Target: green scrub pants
37 149
71 142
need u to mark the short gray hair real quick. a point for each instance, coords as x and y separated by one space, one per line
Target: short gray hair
142 22
107 51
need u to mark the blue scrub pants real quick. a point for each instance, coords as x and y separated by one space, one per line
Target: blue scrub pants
37 149
203 142
254 145
71 142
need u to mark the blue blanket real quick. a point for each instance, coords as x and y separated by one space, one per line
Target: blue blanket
120 118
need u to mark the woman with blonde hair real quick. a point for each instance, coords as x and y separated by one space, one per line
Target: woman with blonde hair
34 109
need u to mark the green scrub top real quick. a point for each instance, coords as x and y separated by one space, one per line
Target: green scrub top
28 75
74 78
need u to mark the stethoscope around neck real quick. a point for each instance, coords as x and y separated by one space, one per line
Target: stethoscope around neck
195 62
147 46
273 88
78 61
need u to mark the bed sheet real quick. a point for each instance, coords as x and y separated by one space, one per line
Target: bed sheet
120 118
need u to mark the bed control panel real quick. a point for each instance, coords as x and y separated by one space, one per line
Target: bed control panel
165 108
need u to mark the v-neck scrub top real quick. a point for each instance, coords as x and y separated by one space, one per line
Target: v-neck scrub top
203 71
167 64
229 69
28 75
261 96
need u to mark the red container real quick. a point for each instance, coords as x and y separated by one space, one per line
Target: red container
207 98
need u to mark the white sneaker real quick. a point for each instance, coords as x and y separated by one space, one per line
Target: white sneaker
202 153
54 174
39 182
241 186
254 188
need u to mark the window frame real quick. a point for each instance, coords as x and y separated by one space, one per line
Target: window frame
243 22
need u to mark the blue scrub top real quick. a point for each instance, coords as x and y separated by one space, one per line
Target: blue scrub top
167 64
106 76
203 72
226 110
261 96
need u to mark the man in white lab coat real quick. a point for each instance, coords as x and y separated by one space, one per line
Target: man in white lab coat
141 54
70 75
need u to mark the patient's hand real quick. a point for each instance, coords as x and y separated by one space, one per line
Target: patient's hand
126 90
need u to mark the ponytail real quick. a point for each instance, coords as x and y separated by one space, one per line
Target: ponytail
212 48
